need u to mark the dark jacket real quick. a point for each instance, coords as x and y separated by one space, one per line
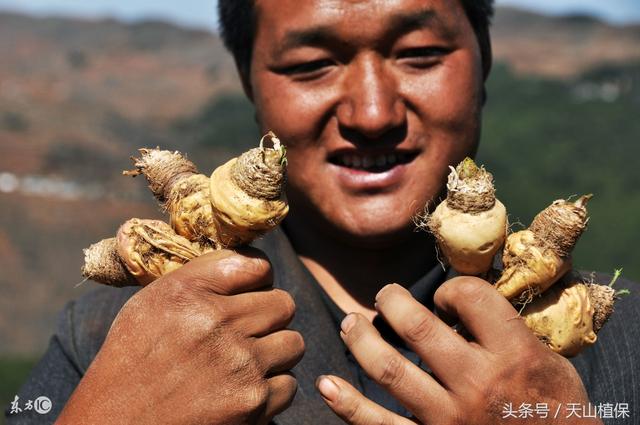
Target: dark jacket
610 369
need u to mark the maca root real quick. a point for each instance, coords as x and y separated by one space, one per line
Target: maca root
534 259
563 311
568 317
247 196
142 251
103 264
151 248
239 202
470 228
470 225
242 200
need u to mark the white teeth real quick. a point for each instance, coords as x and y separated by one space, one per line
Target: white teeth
368 161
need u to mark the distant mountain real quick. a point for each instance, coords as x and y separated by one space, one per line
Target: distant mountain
102 85
560 46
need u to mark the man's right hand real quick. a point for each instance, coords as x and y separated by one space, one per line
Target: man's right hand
204 344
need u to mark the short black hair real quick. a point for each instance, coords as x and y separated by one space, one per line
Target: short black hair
238 21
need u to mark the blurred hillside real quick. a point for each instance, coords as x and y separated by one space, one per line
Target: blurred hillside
560 47
77 98
545 139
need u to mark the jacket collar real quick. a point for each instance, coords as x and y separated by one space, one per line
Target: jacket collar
325 352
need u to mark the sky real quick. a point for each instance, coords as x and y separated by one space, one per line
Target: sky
202 13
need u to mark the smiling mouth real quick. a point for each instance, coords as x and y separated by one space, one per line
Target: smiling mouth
372 163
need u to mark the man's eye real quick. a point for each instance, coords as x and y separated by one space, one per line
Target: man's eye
423 56
307 68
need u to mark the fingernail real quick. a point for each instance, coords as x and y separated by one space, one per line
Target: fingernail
348 322
384 288
327 388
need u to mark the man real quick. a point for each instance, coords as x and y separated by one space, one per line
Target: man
374 99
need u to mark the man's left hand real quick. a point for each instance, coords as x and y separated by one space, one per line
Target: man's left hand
473 380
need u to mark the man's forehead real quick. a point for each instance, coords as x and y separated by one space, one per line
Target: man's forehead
322 4
281 16
326 9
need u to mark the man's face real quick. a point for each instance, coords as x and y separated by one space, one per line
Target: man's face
373 99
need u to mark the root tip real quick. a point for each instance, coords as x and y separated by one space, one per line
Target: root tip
583 200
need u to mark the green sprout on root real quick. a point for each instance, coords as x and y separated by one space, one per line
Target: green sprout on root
616 275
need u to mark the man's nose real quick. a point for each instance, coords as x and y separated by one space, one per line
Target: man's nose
371 104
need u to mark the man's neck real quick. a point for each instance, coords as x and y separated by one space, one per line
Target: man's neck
352 276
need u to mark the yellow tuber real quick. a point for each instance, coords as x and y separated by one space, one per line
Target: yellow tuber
142 251
567 318
247 197
471 224
103 264
243 199
150 248
534 259
470 227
